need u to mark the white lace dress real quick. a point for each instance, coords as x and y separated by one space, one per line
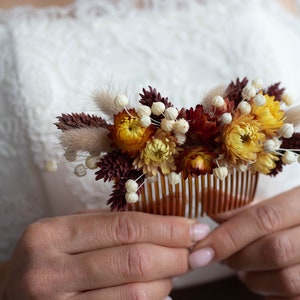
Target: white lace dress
51 60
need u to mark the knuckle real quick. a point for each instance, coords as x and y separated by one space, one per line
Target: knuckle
230 241
138 262
33 238
127 230
268 218
178 234
278 250
182 261
32 286
290 281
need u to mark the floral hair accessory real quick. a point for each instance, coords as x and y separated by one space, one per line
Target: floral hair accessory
237 130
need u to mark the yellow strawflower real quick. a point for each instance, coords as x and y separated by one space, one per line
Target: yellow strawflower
243 139
265 162
158 155
270 115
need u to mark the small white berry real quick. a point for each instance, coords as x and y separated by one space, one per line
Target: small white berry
287 130
70 155
181 126
259 100
221 172
287 99
270 146
242 168
131 186
218 102
145 121
289 157
158 108
226 118
181 138
174 178
171 113
91 162
244 107
248 92
80 170
143 111
121 101
131 197
167 125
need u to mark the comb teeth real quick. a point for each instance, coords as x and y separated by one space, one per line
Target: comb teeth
195 197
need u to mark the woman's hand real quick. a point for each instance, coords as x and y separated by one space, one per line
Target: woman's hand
262 243
127 255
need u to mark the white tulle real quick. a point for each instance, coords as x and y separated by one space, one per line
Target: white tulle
52 60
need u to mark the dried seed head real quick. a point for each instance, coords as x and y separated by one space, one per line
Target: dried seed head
221 172
80 170
131 186
131 197
174 178
158 108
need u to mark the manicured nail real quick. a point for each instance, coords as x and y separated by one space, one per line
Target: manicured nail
241 276
201 257
175 279
199 231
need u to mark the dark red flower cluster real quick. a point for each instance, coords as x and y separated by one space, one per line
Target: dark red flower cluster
203 129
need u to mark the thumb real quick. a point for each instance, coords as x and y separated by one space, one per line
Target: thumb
225 216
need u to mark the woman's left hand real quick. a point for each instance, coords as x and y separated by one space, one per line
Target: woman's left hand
260 242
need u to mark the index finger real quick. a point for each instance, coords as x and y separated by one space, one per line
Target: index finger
88 232
251 224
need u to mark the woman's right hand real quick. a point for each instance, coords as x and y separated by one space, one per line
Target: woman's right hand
126 255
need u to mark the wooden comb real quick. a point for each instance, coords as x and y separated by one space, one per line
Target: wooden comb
195 197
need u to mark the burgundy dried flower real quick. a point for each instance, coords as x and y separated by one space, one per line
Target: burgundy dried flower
82 120
234 91
203 128
114 165
228 107
275 91
152 96
292 142
117 199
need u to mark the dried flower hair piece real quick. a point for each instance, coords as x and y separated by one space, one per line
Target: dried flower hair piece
165 156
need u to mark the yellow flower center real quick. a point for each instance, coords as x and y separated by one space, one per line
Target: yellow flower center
130 131
156 151
243 139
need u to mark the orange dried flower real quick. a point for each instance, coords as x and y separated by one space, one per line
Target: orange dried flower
196 161
128 134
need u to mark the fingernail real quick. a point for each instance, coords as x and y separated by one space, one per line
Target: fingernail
241 276
199 231
175 279
201 257
168 298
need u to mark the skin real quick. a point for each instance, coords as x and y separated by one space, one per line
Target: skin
261 242
98 255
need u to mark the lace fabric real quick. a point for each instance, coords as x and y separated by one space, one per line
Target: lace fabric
51 60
